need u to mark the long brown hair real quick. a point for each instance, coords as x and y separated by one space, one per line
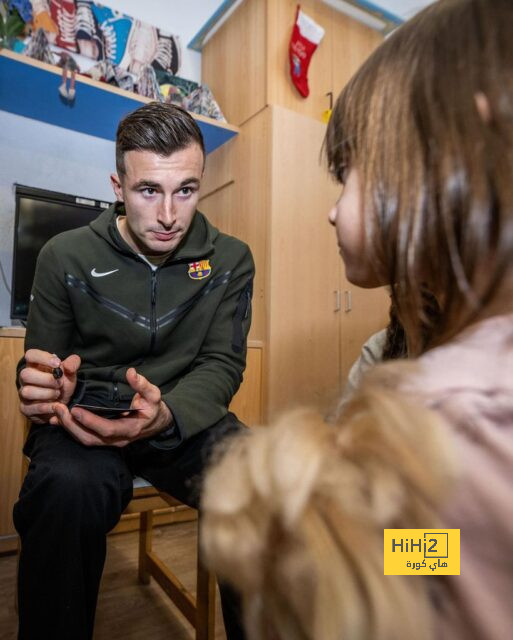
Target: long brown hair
436 174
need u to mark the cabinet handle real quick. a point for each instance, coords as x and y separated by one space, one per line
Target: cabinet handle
337 300
348 296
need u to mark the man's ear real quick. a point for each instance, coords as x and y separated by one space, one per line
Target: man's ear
117 186
483 107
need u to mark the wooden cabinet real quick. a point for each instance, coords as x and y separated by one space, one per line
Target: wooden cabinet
270 188
11 434
246 404
245 62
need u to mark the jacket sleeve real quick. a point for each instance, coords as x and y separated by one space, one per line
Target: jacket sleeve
202 396
50 322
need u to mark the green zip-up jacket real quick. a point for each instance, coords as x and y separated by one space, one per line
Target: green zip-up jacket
183 326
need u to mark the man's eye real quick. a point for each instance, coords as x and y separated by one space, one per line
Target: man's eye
148 191
186 191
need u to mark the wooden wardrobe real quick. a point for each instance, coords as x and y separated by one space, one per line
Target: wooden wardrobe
270 187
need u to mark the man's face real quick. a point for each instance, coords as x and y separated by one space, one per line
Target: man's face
160 196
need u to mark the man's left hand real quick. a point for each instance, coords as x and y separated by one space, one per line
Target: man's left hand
152 416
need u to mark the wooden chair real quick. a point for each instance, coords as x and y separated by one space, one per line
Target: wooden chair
198 609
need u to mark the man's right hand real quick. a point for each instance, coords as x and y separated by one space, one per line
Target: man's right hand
39 389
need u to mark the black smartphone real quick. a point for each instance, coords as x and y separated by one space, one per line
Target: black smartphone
108 412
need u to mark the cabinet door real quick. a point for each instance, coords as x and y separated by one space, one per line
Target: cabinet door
318 321
362 313
11 438
236 195
280 88
233 62
247 402
304 268
351 45
345 46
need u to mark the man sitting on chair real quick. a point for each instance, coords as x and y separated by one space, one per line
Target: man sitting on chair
135 345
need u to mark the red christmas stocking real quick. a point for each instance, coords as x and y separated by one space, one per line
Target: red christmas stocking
306 35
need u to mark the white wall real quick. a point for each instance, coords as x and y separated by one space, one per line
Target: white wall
41 155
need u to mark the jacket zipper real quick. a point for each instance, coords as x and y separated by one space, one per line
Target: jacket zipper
248 303
153 314
241 313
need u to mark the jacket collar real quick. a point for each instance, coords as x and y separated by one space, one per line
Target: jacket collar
197 243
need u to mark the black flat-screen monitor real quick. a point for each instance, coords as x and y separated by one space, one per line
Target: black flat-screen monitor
40 215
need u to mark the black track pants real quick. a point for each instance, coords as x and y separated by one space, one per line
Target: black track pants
71 498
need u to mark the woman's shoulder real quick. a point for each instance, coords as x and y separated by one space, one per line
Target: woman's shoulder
479 358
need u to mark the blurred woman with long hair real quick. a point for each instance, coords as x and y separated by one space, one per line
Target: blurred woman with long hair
422 140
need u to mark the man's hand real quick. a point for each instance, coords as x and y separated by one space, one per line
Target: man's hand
152 416
39 389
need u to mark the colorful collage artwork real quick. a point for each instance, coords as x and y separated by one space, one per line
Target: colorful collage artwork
95 31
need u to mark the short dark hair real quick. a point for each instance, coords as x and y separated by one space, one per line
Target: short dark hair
159 127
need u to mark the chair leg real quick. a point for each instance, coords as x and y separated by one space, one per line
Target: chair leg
145 538
205 600
199 611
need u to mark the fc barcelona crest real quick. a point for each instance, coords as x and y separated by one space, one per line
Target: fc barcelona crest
199 270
